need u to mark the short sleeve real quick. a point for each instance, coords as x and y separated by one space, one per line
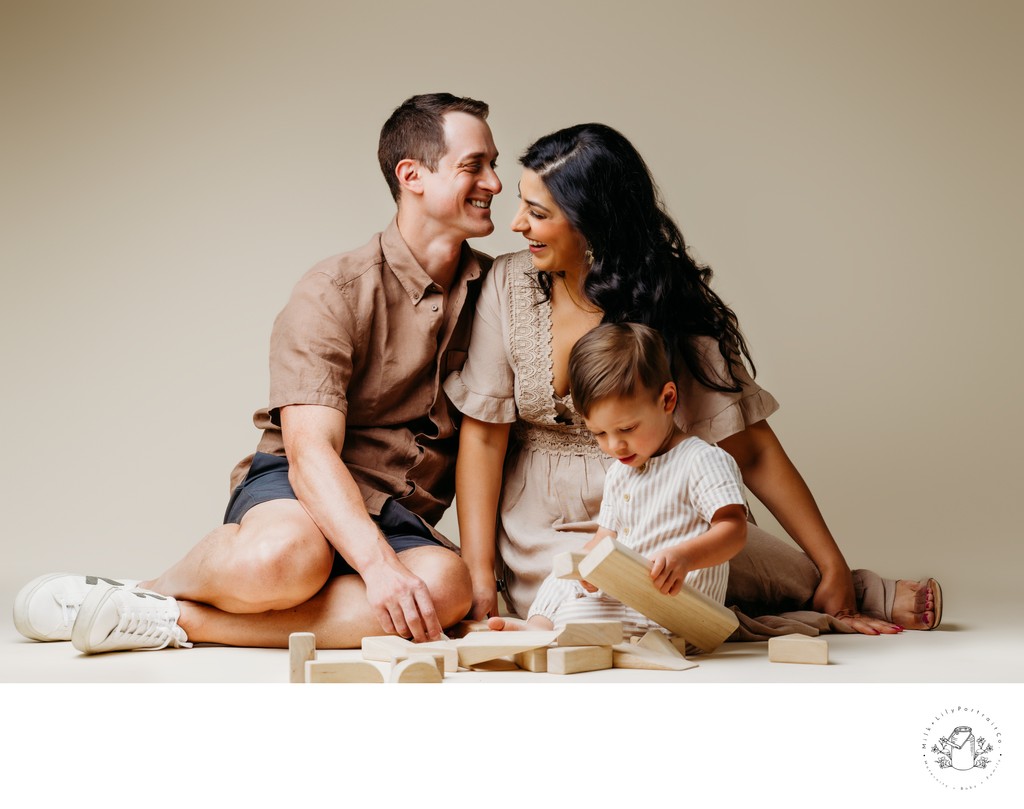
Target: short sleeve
485 387
714 415
311 347
715 482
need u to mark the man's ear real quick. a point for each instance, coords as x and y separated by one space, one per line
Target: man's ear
670 396
409 173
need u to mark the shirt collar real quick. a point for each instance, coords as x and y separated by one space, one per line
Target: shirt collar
407 269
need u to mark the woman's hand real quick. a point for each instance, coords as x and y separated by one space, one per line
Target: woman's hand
835 596
485 597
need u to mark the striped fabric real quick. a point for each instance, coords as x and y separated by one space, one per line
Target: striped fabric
669 500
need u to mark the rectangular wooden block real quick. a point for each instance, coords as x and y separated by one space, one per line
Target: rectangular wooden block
535 660
798 648
342 671
635 656
658 641
624 574
590 633
476 647
301 647
574 659
567 565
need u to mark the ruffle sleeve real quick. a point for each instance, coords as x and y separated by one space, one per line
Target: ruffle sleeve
485 387
714 415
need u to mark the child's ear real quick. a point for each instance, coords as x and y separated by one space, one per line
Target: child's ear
670 397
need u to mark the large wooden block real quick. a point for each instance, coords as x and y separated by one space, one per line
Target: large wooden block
574 659
301 647
590 633
567 565
798 648
635 656
658 641
417 669
626 575
342 671
476 647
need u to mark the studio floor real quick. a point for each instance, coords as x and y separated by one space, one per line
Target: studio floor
976 643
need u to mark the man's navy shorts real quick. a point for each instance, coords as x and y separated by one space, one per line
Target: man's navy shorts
268 480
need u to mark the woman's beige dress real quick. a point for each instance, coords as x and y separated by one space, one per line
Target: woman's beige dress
555 471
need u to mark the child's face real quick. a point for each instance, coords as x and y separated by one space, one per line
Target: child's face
634 429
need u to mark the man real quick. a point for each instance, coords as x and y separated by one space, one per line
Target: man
329 526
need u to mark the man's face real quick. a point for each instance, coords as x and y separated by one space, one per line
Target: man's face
458 195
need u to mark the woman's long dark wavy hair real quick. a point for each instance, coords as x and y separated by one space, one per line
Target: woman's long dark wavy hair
642 271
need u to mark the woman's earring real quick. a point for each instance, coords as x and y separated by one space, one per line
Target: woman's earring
588 256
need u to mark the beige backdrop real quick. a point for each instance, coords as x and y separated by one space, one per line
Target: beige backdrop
851 171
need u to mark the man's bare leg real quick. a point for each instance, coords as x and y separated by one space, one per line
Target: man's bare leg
275 559
339 615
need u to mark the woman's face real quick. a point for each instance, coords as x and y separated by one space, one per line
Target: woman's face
555 244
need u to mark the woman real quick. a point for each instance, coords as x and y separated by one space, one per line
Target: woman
601 248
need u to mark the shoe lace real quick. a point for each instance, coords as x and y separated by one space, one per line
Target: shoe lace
158 628
68 610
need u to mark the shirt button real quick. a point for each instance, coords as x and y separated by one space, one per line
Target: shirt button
625 531
626 497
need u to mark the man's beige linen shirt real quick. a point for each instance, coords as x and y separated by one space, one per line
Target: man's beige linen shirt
370 334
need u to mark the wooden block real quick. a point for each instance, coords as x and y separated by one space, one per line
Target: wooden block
535 660
437 658
590 633
417 669
624 574
658 641
798 648
388 648
498 664
567 565
574 659
635 656
463 628
342 671
446 648
301 647
477 647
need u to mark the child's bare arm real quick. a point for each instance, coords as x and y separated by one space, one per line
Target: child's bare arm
720 543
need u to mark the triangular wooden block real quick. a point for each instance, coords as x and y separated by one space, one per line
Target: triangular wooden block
634 656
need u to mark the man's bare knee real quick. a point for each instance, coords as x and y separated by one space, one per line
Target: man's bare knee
280 565
447 578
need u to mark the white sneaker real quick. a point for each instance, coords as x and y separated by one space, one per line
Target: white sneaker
46 607
112 619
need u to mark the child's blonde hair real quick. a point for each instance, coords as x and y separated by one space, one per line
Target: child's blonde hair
614 359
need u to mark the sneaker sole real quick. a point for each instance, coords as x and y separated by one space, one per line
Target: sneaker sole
21 620
87 616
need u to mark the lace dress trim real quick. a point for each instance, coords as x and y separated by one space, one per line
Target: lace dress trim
547 422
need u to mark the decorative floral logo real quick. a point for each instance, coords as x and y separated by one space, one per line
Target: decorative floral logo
962 747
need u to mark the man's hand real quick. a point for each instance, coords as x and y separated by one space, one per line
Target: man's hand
400 600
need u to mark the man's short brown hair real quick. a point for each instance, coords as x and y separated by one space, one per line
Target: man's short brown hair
415 131
615 359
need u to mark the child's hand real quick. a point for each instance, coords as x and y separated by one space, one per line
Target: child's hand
670 568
